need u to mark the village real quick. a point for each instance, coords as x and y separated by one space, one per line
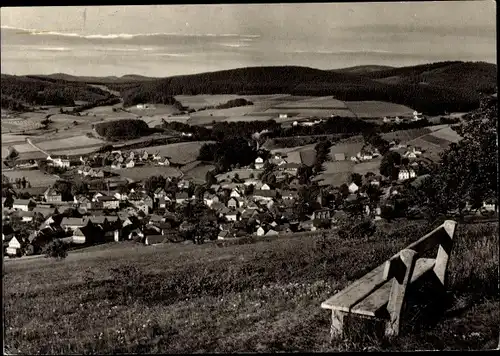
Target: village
266 198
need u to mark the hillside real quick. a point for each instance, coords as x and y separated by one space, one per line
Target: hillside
477 76
261 297
447 94
33 90
97 80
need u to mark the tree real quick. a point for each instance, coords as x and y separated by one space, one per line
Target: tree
357 179
389 166
154 182
344 191
79 187
199 191
64 187
210 178
56 249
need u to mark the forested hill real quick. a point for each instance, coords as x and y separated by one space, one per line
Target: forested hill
21 92
432 89
479 76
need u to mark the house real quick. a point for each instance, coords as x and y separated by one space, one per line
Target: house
181 197
291 168
86 234
121 196
353 187
339 156
224 234
271 232
145 156
22 204
52 195
215 187
164 162
98 173
265 187
116 165
15 247
307 225
232 203
264 194
156 156
259 163
289 195
109 202
135 233
59 162
154 239
235 193
163 202
232 215
209 199
73 223
405 174
323 214
26 216
130 163
83 201
159 193
260 231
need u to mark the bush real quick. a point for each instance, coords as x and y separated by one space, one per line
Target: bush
56 249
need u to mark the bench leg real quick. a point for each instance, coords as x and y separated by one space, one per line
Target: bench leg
336 331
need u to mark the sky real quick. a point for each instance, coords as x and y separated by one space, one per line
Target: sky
324 35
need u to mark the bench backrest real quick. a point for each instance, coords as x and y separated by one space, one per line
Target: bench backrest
442 236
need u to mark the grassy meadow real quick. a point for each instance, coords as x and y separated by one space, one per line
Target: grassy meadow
259 297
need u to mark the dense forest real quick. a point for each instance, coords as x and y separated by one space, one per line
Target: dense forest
122 129
431 88
25 91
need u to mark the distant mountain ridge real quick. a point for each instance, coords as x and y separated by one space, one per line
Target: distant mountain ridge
431 88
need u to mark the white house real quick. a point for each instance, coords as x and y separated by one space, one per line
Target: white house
405 174
59 162
130 163
353 187
14 246
164 162
283 116
265 187
260 231
259 163
235 194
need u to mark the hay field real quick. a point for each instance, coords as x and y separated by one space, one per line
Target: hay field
205 120
9 139
181 153
371 109
35 177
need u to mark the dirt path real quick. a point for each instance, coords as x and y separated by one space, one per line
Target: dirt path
36 147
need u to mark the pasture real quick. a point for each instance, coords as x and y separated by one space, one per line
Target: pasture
179 153
370 109
347 148
368 166
80 141
324 102
333 179
260 297
35 177
406 135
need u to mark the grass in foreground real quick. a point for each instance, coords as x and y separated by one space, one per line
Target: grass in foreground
261 297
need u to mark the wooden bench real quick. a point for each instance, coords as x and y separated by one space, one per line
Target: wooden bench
380 293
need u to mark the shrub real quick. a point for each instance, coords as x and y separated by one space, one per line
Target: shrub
56 249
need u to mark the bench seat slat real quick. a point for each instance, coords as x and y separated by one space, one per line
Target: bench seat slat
355 292
358 293
372 304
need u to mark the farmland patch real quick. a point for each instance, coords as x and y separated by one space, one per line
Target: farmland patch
144 172
181 153
35 177
447 133
369 109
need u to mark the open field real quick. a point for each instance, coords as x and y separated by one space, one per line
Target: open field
447 133
181 153
377 109
263 297
368 166
197 171
144 172
333 179
70 142
311 112
338 167
406 135
347 148
323 102
35 177
205 120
